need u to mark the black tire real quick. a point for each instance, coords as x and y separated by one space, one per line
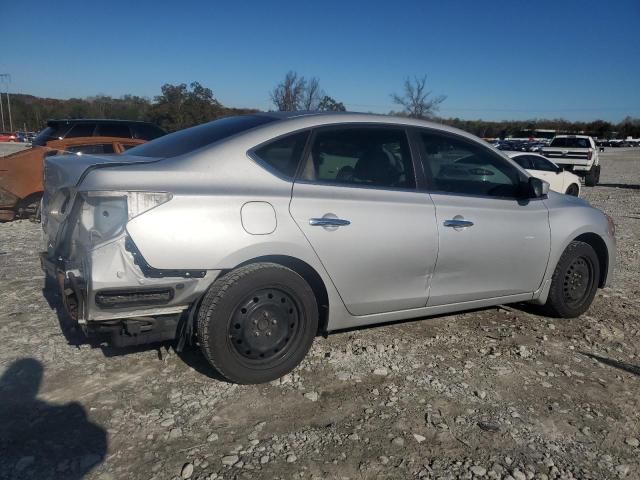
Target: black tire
257 323
591 178
574 282
573 190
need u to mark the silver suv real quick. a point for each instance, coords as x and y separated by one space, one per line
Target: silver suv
253 234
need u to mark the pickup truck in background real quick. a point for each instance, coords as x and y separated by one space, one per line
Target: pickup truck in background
576 153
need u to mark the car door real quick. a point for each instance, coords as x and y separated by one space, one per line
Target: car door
356 202
492 242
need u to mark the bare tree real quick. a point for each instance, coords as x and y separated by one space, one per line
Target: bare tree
312 95
328 104
416 100
288 95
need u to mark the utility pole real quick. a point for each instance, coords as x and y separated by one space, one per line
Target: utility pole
5 79
1 111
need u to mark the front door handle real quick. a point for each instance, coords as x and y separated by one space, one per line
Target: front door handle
328 222
455 223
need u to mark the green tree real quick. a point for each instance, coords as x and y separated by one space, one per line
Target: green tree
180 106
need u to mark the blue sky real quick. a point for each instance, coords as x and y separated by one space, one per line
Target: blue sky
578 60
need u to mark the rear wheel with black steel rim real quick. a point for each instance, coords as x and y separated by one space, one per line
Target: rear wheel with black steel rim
574 282
257 323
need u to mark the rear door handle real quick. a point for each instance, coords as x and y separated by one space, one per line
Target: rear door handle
458 223
328 222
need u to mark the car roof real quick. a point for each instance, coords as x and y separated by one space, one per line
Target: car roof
515 154
302 119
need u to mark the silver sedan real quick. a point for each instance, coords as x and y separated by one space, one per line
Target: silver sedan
251 235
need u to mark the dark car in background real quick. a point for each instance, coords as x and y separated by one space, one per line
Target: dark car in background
73 128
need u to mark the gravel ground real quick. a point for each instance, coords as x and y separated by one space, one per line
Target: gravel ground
7 148
500 393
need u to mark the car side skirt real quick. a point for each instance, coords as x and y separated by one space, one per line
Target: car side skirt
346 322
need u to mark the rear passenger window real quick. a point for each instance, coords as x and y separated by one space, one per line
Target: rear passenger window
524 161
113 130
101 148
456 165
81 130
362 156
283 155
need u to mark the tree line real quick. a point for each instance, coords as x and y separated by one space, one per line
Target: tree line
181 106
178 106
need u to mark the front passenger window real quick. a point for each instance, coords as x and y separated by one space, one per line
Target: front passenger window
457 165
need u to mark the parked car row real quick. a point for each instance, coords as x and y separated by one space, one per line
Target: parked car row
254 234
7 137
520 145
23 137
618 143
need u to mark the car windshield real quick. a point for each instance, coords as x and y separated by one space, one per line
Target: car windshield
570 142
190 139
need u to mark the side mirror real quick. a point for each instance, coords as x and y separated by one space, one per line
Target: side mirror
537 188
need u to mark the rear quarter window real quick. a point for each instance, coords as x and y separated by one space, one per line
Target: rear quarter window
283 155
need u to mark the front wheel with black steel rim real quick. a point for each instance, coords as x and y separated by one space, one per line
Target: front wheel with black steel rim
574 282
256 323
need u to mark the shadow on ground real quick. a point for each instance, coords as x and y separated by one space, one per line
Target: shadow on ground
629 186
627 367
41 440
